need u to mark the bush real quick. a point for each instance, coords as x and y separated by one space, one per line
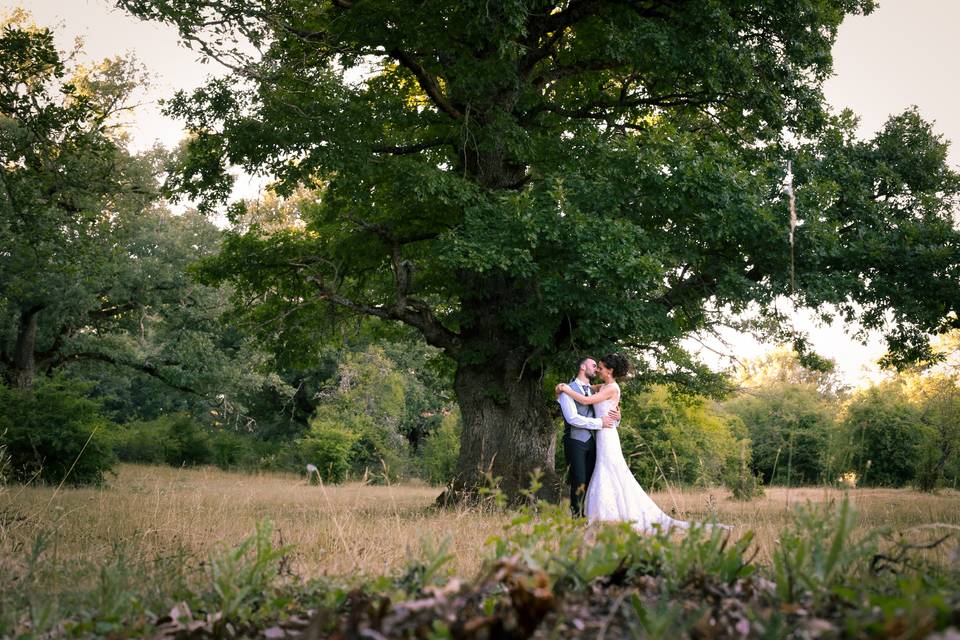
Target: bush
186 444
53 433
176 439
327 446
231 451
676 439
440 450
140 442
180 440
744 484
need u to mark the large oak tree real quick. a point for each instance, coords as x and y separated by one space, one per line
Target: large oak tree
523 180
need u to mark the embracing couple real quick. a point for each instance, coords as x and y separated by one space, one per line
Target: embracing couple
599 475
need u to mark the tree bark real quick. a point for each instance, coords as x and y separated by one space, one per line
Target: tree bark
24 358
508 431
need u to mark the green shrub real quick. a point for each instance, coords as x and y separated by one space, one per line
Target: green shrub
744 484
187 443
378 452
180 440
243 580
440 450
929 472
231 451
141 442
53 433
327 446
685 440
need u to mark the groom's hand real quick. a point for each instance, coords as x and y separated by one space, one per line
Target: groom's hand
615 414
607 421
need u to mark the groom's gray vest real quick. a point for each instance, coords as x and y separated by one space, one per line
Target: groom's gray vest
586 410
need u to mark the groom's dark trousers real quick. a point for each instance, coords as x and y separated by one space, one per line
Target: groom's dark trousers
581 459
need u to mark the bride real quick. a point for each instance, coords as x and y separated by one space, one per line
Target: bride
613 494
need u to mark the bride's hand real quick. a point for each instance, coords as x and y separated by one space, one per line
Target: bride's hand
559 388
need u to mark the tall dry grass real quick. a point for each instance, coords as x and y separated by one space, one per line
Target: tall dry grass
356 529
353 529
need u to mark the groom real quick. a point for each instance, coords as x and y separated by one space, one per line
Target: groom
579 440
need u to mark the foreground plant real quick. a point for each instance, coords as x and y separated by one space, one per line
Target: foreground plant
548 575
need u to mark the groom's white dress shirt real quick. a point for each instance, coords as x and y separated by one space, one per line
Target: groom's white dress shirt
579 425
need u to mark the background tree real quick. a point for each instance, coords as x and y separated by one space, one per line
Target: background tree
63 176
789 427
521 181
783 365
681 440
938 399
884 432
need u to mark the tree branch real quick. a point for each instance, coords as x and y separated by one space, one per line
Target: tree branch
145 367
427 82
415 313
598 109
400 150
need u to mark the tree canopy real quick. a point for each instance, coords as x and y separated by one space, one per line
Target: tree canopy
523 181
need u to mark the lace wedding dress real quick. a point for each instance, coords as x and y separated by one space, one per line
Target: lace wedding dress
613 494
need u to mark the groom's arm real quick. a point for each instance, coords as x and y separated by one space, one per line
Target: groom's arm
574 419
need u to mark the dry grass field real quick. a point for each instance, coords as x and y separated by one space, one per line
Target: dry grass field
355 529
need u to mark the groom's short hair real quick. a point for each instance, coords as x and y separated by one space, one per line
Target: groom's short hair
583 359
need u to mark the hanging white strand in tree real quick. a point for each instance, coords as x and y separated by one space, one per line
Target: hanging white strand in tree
788 187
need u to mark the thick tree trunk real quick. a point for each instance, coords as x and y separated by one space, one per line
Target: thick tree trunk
24 357
508 432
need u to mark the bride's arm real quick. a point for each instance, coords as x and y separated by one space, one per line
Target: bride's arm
604 394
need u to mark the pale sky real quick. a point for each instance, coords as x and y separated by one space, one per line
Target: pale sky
903 54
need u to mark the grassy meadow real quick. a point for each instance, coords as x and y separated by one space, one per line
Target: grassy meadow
359 529
162 525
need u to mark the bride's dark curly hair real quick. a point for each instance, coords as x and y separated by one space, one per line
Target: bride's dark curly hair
618 364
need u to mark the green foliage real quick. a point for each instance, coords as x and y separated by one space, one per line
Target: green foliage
937 396
140 442
54 434
789 427
232 451
677 439
438 455
376 397
883 434
328 446
182 440
186 443
548 538
240 588
68 185
242 579
93 275
744 484
818 556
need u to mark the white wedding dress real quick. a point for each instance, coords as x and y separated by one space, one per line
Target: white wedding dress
613 494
